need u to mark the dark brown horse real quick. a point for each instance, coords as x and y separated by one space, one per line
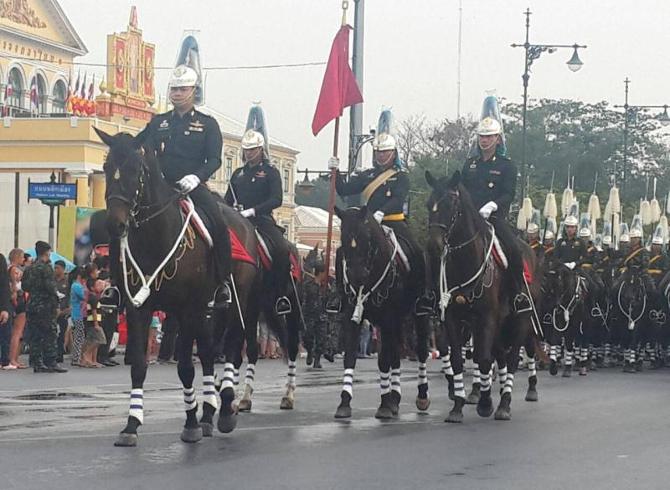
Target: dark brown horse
374 286
159 263
473 297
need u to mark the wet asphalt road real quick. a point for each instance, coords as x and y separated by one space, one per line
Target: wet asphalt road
608 430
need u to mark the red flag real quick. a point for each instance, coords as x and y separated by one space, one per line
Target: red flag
339 88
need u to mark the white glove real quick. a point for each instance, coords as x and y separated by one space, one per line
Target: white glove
378 216
188 183
570 265
248 213
487 209
333 163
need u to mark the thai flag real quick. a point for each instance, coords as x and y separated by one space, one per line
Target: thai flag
34 96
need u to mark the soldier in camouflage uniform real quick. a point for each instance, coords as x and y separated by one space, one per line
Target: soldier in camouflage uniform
39 282
317 336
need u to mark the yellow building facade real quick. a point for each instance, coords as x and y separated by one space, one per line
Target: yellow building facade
38 43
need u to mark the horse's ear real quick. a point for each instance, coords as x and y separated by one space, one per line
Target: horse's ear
430 179
338 212
106 138
456 178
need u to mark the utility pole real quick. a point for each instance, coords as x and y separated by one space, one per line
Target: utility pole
458 68
356 114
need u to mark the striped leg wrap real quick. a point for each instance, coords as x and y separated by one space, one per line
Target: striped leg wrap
531 368
385 382
189 399
208 391
486 381
553 352
348 381
250 375
509 383
568 357
423 374
395 380
137 404
502 376
217 382
608 349
291 374
228 376
476 375
449 371
459 387
236 377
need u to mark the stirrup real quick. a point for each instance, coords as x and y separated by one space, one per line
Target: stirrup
283 306
222 297
521 303
110 299
425 304
334 306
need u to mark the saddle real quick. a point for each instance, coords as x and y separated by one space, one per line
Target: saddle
501 259
265 251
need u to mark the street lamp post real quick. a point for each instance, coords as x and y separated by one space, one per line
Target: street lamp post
533 52
663 118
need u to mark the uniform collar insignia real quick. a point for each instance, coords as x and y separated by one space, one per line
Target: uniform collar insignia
164 123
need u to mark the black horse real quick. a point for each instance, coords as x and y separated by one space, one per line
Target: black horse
567 294
474 299
373 286
631 306
161 264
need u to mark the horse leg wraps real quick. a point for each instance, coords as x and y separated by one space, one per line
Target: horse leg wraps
228 380
208 391
236 377
423 374
509 383
485 380
459 387
502 376
531 368
137 404
250 375
395 380
446 366
291 374
553 352
385 382
189 399
348 381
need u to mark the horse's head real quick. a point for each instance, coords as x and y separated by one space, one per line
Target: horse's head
448 201
124 172
360 235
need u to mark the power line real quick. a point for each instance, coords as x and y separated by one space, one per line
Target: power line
207 68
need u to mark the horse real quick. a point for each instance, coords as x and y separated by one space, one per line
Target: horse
463 269
287 328
566 292
160 263
630 315
372 283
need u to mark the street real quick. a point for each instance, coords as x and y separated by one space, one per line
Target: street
608 430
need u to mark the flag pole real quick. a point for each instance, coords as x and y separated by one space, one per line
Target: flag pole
331 203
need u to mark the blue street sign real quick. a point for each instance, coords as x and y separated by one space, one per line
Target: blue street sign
51 191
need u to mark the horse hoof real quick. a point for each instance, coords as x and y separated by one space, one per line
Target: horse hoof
503 414
126 440
207 429
422 404
553 368
286 403
384 413
485 409
343 412
227 421
244 405
531 396
192 434
473 398
454 418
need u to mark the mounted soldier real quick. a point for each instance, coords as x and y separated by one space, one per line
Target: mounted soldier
490 178
659 263
188 144
636 257
255 190
533 234
571 249
549 238
385 190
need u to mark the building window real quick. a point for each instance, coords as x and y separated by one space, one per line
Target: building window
16 87
229 168
287 181
59 97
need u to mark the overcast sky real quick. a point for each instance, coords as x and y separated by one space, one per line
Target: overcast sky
410 53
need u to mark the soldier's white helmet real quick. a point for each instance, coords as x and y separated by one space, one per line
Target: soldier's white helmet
571 221
636 227
384 142
252 139
532 229
624 238
548 235
488 126
607 240
657 239
585 233
183 76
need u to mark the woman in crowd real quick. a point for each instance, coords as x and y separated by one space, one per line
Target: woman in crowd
95 336
77 308
18 314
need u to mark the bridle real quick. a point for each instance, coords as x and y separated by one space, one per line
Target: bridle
137 209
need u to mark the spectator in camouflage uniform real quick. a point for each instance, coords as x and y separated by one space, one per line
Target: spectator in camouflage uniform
39 282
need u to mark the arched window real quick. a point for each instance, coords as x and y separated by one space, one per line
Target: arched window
42 94
59 97
17 88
